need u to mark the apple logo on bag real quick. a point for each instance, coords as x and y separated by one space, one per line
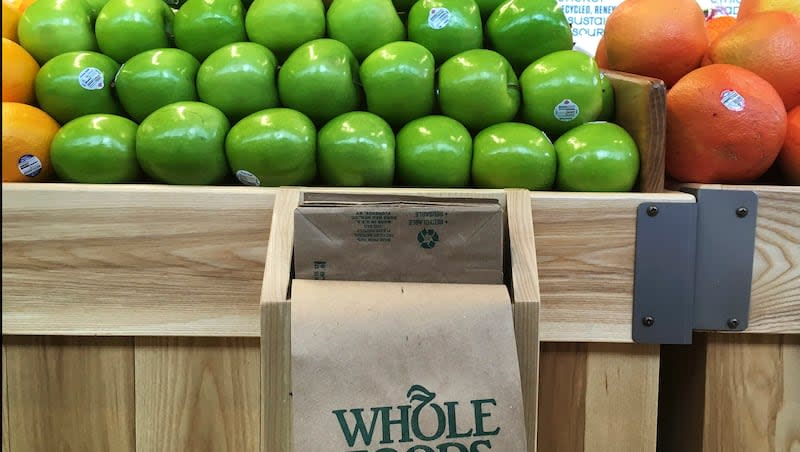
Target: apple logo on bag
427 238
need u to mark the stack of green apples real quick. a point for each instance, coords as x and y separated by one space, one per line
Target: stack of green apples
433 93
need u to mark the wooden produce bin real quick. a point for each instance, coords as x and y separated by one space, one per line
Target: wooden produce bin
131 313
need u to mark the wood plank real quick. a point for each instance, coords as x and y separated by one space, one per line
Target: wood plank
562 397
72 253
641 111
525 296
197 394
6 426
752 398
621 398
70 394
586 255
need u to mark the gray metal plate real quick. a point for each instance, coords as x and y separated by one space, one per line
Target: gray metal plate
726 237
664 276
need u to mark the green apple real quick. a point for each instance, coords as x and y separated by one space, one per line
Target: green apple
239 79
364 25
597 156
561 91
434 151
184 144
282 26
513 155
446 27
478 88
487 7
155 78
320 79
356 149
203 26
273 147
75 84
96 149
526 30
125 28
49 28
608 112
398 82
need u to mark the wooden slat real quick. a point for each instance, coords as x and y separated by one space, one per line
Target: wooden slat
752 398
89 260
525 295
6 426
641 110
586 253
73 394
621 398
197 394
598 397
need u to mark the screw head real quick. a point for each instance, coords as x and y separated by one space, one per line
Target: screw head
648 320
733 323
652 211
741 212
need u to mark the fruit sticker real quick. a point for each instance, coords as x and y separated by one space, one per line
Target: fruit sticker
732 100
248 178
91 78
29 165
566 110
438 18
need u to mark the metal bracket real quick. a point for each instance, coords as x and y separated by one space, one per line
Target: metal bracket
694 266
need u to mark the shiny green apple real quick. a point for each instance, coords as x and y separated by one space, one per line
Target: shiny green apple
155 78
513 155
283 26
273 147
49 28
75 84
526 30
320 80
203 26
561 91
364 25
446 27
239 79
608 112
184 144
398 82
125 28
478 88
434 151
357 149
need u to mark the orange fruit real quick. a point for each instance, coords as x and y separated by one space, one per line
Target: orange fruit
10 20
657 38
718 25
19 72
769 45
789 158
725 124
749 7
601 55
27 134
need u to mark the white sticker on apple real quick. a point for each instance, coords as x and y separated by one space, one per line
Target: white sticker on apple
438 18
29 165
566 110
248 178
732 100
91 78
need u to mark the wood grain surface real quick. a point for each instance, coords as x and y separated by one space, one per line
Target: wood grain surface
133 260
752 398
197 394
641 111
598 397
6 427
586 254
525 296
70 394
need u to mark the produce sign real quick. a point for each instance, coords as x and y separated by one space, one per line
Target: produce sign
434 93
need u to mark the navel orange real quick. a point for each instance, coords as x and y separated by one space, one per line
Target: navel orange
601 54
789 158
725 124
19 72
749 7
27 134
10 20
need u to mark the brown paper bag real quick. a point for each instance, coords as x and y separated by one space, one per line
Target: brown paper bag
411 367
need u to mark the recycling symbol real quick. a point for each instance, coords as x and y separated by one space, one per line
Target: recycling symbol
427 238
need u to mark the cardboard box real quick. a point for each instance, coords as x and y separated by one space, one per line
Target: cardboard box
399 239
